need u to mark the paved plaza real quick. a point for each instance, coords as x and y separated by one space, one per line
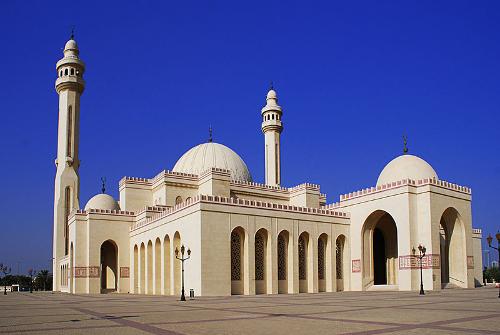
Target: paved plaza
454 311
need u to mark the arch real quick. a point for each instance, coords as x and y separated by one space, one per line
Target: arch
323 274
178 200
305 265
136 269
452 247
69 132
157 271
149 268
166 265
340 262
379 250
262 262
285 263
142 269
67 210
109 266
177 264
188 199
60 73
71 266
237 261
65 72
72 71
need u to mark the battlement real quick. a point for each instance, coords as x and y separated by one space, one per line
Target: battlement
168 173
304 186
241 203
218 171
101 211
477 231
257 185
134 179
406 182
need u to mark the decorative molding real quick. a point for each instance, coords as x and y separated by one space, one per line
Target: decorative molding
409 262
124 272
86 272
356 265
470 262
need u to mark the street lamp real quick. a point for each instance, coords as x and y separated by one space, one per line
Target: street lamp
421 254
32 273
5 270
182 259
490 239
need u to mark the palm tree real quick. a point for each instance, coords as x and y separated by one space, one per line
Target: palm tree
43 277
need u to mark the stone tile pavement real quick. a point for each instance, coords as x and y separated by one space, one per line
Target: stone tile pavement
454 311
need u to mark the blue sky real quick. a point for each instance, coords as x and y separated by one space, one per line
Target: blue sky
352 77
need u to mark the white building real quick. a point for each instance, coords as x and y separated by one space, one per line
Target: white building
251 238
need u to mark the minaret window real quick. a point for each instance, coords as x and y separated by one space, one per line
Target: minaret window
66 72
72 72
69 127
60 73
67 206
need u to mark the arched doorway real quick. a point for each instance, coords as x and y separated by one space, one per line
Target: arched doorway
166 265
452 245
142 269
136 269
305 270
283 268
177 264
157 283
380 250
322 262
149 268
261 260
237 261
109 266
339 262
71 271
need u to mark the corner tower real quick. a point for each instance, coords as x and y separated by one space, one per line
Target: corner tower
272 128
69 85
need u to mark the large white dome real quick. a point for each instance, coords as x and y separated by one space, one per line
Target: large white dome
213 155
102 201
406 167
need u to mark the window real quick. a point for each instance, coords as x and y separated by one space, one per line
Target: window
281 257
66 72
235 256
72 72
178 200
69 134
259 257
321 259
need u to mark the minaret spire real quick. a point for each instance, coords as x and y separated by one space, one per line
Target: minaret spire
103 184
405 143
272 128
210 134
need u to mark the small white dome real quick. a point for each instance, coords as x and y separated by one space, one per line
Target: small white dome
213 155
271 94
71 45
406 167
102 201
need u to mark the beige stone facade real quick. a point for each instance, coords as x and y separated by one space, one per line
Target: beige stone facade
250 238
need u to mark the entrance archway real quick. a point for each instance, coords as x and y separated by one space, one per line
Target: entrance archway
339 262
322 262
109 266
261 260
452 253
305 268
283 259
237 261
380 250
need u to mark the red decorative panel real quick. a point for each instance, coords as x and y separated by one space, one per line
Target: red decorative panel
80 272
124 272
470 262
87 272
94 272
431 261
356 265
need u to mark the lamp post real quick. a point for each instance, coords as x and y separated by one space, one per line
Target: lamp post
421 254
490 239
31 273
182 259
5 270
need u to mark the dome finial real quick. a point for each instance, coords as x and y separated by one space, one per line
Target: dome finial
271 87
72 37
405 142
103 184
210 134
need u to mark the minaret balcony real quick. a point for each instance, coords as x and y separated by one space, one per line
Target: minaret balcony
70 82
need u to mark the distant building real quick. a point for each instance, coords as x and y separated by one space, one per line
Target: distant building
250 238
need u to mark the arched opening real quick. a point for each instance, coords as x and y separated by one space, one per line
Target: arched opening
136 269
322 262
67 210
71 267
109 266
305 268
142 269
149 268
178 200
339 262
157 283
380 250
283 251
452 243
237 261
166 265
262 284
72 71
65 72
177 265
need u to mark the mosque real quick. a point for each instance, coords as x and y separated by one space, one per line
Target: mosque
250 238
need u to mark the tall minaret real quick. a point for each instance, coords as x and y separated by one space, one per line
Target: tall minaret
272 128
69 86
